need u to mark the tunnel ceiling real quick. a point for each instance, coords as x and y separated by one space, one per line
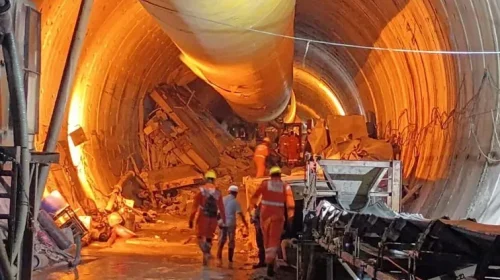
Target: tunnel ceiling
439 105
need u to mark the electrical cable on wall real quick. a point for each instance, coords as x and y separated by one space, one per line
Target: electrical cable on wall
407 137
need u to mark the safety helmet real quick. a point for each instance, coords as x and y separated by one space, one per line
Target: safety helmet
267 140
232 188
275 170
210 174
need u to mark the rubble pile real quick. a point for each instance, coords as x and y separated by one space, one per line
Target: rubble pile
346 138
181 141
236 161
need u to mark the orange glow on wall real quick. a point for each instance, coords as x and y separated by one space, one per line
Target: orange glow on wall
292 110
307 110
329 96
75 120
409 86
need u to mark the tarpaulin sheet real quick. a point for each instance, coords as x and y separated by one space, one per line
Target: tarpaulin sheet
318 138
340 127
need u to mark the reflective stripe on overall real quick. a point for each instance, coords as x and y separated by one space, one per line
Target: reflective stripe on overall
272 217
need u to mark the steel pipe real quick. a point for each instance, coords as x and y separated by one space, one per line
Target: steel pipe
19 115
252 71
4 261
64 91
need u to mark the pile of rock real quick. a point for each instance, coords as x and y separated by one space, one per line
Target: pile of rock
183 134
347 138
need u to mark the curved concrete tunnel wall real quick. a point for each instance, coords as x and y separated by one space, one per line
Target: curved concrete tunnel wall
432 101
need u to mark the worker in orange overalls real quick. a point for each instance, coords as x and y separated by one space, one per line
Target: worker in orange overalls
276 196
283 146
260 155
206 204
293 148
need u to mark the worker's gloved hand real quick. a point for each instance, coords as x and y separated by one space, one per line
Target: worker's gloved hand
190 224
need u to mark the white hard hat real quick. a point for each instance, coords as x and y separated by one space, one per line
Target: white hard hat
233 188
114 219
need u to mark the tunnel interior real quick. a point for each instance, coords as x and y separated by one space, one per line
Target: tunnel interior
442 106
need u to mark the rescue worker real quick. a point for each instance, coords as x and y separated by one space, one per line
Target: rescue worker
276 197
260 155
293 149
283 145
232 208
259 238
206 204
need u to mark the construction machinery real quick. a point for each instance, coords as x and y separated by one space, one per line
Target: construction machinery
352 221
348 225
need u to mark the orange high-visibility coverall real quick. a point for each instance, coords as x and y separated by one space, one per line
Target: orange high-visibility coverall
276 195
206 226
283 145
259 157
293 148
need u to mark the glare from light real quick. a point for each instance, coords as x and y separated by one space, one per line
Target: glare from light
308 78
292 111
75 120
56 194
308 110
333 98
194 66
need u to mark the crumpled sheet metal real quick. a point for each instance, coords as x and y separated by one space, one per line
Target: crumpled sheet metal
365 148
318 138
340 127
348 140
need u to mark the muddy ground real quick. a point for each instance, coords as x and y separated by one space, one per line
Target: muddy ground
165 250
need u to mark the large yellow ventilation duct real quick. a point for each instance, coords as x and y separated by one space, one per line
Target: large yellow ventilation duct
252 71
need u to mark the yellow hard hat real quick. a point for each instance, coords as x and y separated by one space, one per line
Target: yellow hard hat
210 174
275 170
266 139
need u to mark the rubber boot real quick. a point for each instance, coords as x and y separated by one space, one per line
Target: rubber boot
219 256
258 265
230 254
206 248
270 270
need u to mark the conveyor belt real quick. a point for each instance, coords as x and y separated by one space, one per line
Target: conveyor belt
384 241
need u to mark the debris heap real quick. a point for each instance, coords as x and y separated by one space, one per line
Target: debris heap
347 138
181 141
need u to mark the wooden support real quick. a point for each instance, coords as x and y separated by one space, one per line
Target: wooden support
182 156
164 105
410 193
